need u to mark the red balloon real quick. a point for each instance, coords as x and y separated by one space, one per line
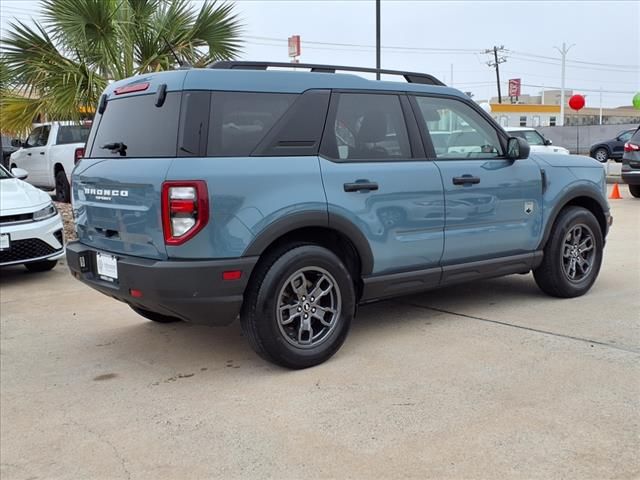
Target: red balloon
576 102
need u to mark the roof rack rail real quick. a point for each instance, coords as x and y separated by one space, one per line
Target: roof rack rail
410 77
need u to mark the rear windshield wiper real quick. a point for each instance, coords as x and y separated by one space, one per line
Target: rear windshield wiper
116 147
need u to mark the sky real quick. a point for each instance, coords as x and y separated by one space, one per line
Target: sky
437 37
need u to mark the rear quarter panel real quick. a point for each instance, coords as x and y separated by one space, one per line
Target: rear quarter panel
246 195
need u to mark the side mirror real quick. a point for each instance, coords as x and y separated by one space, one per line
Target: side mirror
19 173
548 142
25 144
16 143
517 148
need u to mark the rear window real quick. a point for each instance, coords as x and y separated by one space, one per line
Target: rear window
144 129
72 134
240 120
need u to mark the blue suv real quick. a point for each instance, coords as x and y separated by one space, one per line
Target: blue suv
287 198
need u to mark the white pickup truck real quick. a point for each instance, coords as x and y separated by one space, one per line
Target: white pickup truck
50 153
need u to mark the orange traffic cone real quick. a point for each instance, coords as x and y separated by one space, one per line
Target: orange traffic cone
615 193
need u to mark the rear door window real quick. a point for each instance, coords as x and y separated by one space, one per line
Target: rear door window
72 134
144 129
366 127
240 120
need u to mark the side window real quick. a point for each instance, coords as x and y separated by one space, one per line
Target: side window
34 137
240 120
44 136
367 126
457 130
625 136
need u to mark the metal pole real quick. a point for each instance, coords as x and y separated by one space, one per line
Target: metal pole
495 56
563 53
600 105
378 38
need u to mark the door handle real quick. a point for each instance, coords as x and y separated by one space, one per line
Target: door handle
29 154
41 153
361 186
466 180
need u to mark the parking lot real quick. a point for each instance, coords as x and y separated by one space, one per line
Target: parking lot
479 381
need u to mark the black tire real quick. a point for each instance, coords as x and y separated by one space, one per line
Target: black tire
63 191
153 316
601 154
260 316
552 276
41 266
634 190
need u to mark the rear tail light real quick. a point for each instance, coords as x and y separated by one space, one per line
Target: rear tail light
631 147
185 210
78 155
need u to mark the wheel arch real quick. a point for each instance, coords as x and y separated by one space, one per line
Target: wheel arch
580 198
339 235
57 168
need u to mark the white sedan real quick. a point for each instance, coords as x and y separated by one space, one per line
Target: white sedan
535 140
30 225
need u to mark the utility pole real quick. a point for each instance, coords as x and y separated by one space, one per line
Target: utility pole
563 53
496 63
600 105
378 38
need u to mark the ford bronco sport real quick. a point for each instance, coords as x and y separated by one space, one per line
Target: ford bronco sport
287 198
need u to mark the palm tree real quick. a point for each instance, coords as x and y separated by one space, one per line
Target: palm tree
59 67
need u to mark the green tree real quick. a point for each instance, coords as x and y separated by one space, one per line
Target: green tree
60 66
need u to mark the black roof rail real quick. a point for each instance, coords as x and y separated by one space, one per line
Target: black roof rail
410 77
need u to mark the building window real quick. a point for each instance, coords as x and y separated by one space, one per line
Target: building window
552 121
523 121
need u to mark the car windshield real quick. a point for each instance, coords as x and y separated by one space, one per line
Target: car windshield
4 173
531 136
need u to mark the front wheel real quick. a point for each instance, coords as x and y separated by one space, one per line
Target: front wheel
63 191
601 154
634 190
41 266
298 306
572 255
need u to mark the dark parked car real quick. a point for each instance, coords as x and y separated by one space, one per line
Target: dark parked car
614 148
631 164
7 149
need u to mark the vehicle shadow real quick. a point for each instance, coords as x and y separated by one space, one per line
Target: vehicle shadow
189 349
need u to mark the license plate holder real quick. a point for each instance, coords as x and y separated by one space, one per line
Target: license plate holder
5 241
107 267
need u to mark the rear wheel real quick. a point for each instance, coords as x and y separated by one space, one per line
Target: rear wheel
153 316
41 266
601 154
298 306
63 191
572 255
634 190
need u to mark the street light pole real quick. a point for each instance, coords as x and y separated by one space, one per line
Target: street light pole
563 53
378 38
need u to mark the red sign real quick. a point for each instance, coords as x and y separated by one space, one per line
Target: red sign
514 87
576 102
294 46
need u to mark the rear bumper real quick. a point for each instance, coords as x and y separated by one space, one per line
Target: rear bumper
192 290
631 177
